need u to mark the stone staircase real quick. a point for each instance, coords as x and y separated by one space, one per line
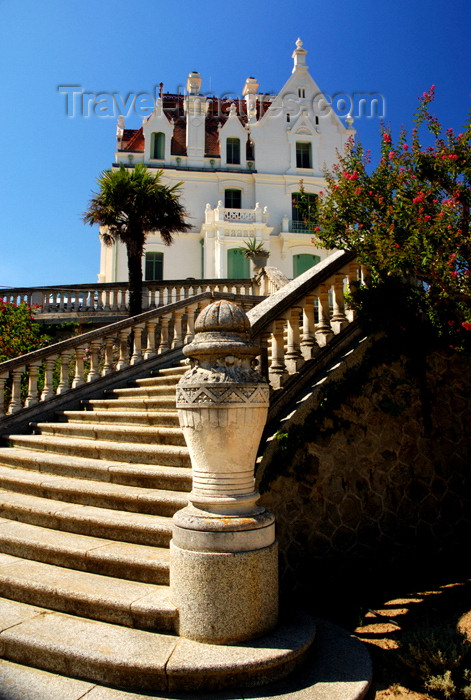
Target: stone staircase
86 505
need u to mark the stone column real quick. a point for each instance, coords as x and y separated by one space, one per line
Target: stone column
223 555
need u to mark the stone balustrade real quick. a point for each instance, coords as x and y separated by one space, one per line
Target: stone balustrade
114 297
293 323
67 365
291 326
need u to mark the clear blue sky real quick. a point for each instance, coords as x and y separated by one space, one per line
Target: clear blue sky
50 161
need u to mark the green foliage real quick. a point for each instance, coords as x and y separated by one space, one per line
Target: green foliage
254 247
19 333
437 657
130 204
408 220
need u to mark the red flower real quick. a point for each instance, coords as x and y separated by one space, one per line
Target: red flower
387 138
420 198
466 325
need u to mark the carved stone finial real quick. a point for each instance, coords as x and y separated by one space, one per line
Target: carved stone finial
222 406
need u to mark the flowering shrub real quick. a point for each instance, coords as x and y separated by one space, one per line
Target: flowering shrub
19 333
408 220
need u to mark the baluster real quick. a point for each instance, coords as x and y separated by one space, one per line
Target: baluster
64 385
177 329
79 376
164 345
309 344
144 298
48 388
277 371
3 379
15 403
45 303
61 296
137 344
352 279
123 349
77 301
323 329
151 297
32 397
293 357
94 373
150 350
338 320
108 366
190 323
107 305
263 341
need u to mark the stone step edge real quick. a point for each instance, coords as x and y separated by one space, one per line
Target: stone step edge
96 555
44 460
141 660
96 431
71 490
135 417
173 455
87 594
105 523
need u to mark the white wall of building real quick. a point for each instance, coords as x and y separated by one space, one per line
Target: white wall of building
296 114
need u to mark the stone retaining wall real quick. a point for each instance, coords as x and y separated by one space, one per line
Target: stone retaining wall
374 471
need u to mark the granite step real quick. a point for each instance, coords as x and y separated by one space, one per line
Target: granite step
107 431
148 391
119 525
93 493
140 660
97 555
171 455
142 475
169 379
157 418
156 403
127 603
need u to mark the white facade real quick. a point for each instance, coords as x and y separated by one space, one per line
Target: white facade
240 163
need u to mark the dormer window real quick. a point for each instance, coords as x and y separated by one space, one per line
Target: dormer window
303 154
157 145
233 151
301 93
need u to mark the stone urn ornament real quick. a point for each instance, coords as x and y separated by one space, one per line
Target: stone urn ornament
223 566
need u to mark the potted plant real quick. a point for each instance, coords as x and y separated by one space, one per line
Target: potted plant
256 252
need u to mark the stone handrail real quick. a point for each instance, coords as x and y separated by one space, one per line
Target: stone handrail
87 357
303 316
296 321
114 297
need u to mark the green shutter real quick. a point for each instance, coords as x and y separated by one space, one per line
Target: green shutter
238 265
303 262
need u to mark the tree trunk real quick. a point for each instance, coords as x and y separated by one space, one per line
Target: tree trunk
134 252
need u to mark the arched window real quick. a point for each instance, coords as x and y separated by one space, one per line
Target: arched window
157 145
233 199
238 265
154 271
233 151
303 262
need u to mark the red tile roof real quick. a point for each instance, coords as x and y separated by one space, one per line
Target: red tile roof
217 114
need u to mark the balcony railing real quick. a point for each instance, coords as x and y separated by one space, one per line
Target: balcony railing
113 298
299 227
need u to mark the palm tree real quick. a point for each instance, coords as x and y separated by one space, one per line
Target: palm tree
130 204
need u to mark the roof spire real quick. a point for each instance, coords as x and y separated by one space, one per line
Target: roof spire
299 55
